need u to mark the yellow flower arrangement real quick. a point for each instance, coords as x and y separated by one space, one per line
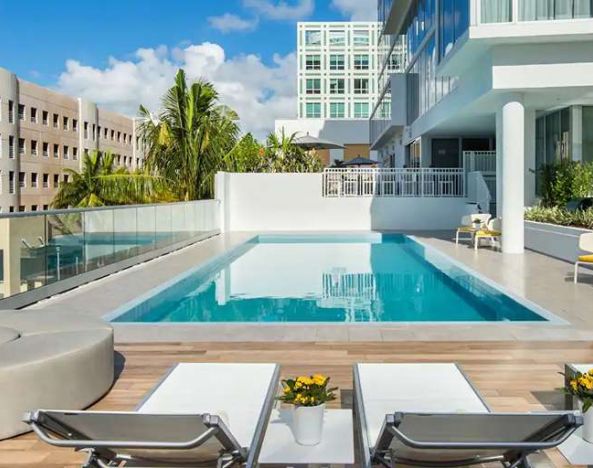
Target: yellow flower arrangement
307 390
581 386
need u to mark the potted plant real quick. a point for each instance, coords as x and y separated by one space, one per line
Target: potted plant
308 396
581 387
477 223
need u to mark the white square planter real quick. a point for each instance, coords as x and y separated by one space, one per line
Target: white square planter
556 241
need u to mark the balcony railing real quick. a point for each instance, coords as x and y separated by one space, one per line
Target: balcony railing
506 11
394 182
481 161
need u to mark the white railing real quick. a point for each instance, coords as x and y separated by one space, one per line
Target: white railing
478 191
483 161
394 182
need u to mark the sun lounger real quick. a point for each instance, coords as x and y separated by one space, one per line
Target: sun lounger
199 415
467 225
586 244
431 415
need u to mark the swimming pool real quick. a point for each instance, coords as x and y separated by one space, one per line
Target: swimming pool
330 278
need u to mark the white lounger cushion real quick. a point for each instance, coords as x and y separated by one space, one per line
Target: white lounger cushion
420 388
236 392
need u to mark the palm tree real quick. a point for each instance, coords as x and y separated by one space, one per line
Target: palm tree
99 183
284 155
189 139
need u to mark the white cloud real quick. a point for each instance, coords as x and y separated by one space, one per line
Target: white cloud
282 9
357 10
258 92
228 23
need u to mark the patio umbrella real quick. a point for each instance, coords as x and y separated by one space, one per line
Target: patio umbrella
360 161
309 142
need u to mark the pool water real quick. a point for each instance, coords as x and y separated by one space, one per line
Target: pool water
356 278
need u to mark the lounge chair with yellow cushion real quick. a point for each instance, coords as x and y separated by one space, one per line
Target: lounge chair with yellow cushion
467 225
492 232
586 244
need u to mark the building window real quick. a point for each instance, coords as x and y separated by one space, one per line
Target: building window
337 38
337 86
361 62
56 121
45 207
94 132
34 181
361 110
86 130
75 153
119 137
313 38
22 180
56 180
21 112
21 208
361 85
112 135
11 147
65 123
360 37
66 178
10 112
313 86
33 147
313 110
337 110
11 182
75 125
33 207
66 152
33 114
21 146
45 180
105 130
44 118
56 151
336 62
11 208
45 150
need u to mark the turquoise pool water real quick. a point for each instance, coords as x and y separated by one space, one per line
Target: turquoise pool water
357 278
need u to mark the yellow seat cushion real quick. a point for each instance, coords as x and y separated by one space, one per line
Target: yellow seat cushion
487 233
586 258
466 229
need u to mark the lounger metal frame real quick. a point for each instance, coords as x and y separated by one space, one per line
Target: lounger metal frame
101 456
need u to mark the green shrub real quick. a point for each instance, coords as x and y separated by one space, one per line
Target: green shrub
560 216
563 181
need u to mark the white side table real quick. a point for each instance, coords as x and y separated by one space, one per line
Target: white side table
336 448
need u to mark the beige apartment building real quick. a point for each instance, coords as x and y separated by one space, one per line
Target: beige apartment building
43 132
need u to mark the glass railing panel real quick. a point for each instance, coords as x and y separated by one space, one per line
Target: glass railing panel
125 233
164 233
178 223
146 225
66 249
496 11
545 10
23 254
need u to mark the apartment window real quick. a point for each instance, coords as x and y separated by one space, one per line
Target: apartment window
361 110
22 180
45 150
34 147
313 38
45 118
86 151
112 135
11 182
337 86
313 110
10 112
45 180
34 180
66 178
56 151
75 125
45 207
98 132
337 38
337 110
119 137
361 85
66 152
86 130
360 37
33 207
21 208
75 153
11 147
56 121
21 112
336 62
313 86
94 132
21 146
65 123
56 180
361 62
33 114
11 209
105 130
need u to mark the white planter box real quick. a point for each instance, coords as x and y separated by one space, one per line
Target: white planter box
556 241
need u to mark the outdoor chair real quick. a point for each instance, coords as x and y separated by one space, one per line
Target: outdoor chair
586 244
467 226
492 232
430 415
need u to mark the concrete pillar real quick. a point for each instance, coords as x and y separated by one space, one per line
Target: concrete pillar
576 137
513 169
529 165
499 161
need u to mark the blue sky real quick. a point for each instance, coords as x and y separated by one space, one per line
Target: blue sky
91 48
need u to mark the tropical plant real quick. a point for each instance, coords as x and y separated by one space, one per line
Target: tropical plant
100 183
282 154
563 181
246 156
307 391
188 141
561 216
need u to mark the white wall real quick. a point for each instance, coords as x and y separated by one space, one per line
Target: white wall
556 241
294 202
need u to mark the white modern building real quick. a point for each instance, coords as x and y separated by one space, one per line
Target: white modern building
338 65
513 77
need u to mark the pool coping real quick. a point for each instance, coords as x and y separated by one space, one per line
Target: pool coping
551 319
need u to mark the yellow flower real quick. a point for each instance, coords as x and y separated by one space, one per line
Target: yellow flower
286 390
319 379
305 380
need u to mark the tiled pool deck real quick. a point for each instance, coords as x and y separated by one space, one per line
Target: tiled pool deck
543 280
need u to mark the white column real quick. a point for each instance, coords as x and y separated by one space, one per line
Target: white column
513 169
499 162
576 143
529 165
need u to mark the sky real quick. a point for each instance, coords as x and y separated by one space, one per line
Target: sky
121 54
